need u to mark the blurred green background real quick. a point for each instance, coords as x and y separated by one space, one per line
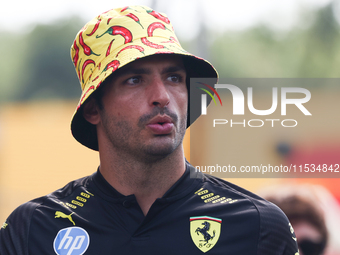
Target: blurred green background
36 64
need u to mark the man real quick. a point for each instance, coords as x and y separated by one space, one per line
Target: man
142 200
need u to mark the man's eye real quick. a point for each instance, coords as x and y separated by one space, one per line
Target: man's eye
175 78
133 80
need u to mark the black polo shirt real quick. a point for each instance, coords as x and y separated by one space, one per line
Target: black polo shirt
199 214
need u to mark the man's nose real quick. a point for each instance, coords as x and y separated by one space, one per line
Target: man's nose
158 93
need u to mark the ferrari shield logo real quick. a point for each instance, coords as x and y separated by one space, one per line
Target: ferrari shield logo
205 231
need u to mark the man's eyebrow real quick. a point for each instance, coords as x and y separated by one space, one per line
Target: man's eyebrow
140 70
173 69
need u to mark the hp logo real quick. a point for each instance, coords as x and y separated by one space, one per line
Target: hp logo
71 241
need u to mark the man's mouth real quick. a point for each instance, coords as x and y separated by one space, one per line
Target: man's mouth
161 125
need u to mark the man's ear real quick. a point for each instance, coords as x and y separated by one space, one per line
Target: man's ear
91 111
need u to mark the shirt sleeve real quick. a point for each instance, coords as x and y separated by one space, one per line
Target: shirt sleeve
14 232
276 233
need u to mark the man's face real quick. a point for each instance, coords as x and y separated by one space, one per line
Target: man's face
145 108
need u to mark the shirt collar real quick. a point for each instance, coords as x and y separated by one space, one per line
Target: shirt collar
186 184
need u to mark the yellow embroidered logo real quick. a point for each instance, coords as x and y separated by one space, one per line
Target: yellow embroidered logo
59 214
4 225
205 232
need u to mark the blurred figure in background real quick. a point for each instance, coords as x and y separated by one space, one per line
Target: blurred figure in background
305 213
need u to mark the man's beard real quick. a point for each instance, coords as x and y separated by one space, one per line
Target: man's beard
127 139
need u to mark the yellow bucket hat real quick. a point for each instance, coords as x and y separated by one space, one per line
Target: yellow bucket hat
116 38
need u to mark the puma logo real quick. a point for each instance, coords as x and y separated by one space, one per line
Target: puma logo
63 215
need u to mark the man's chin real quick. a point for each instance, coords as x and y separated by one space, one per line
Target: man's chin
159 151
162 150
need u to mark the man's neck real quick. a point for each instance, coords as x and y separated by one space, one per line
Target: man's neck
147 181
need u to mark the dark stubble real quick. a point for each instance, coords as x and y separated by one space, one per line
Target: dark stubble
127 139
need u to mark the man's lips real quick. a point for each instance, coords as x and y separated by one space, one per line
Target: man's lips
161 125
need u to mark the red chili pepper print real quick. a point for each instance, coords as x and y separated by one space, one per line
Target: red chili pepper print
87 62
159 16
99 84
95 78
118 30
78 70
128 8
135 18
87 49
113 64
154 26
151 44
141 49
95 27
109 48
164 52
106 12
108 21
82 98
171 40
124 9
76 56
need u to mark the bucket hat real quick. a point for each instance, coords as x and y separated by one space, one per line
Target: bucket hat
116 38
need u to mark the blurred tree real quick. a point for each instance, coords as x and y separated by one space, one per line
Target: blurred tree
37 65
12 63
260 52
50 72
322 45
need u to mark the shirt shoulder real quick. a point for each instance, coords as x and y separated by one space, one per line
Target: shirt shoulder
15 232
276 235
